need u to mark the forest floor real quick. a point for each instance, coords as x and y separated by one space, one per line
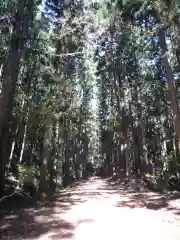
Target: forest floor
96 209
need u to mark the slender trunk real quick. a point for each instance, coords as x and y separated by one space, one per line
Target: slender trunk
145 162
45 157
142 157
13 146
23 144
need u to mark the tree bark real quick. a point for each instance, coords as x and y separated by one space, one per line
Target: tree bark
45 156
171 88
10 75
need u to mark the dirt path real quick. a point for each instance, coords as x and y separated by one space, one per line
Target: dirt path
97 210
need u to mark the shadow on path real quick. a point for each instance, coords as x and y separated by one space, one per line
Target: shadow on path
27 218
54 218
135 194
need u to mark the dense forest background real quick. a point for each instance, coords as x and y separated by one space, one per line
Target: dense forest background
88 82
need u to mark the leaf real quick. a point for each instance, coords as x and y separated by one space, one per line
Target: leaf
58 189
43 196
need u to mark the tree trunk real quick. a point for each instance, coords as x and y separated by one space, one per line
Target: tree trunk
171 88
45 156
10 76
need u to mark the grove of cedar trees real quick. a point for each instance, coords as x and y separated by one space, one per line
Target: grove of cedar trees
88 81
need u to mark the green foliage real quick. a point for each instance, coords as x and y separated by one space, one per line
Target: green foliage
28 174
173 164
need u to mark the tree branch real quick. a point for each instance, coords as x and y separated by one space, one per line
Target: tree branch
66 54
18 193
